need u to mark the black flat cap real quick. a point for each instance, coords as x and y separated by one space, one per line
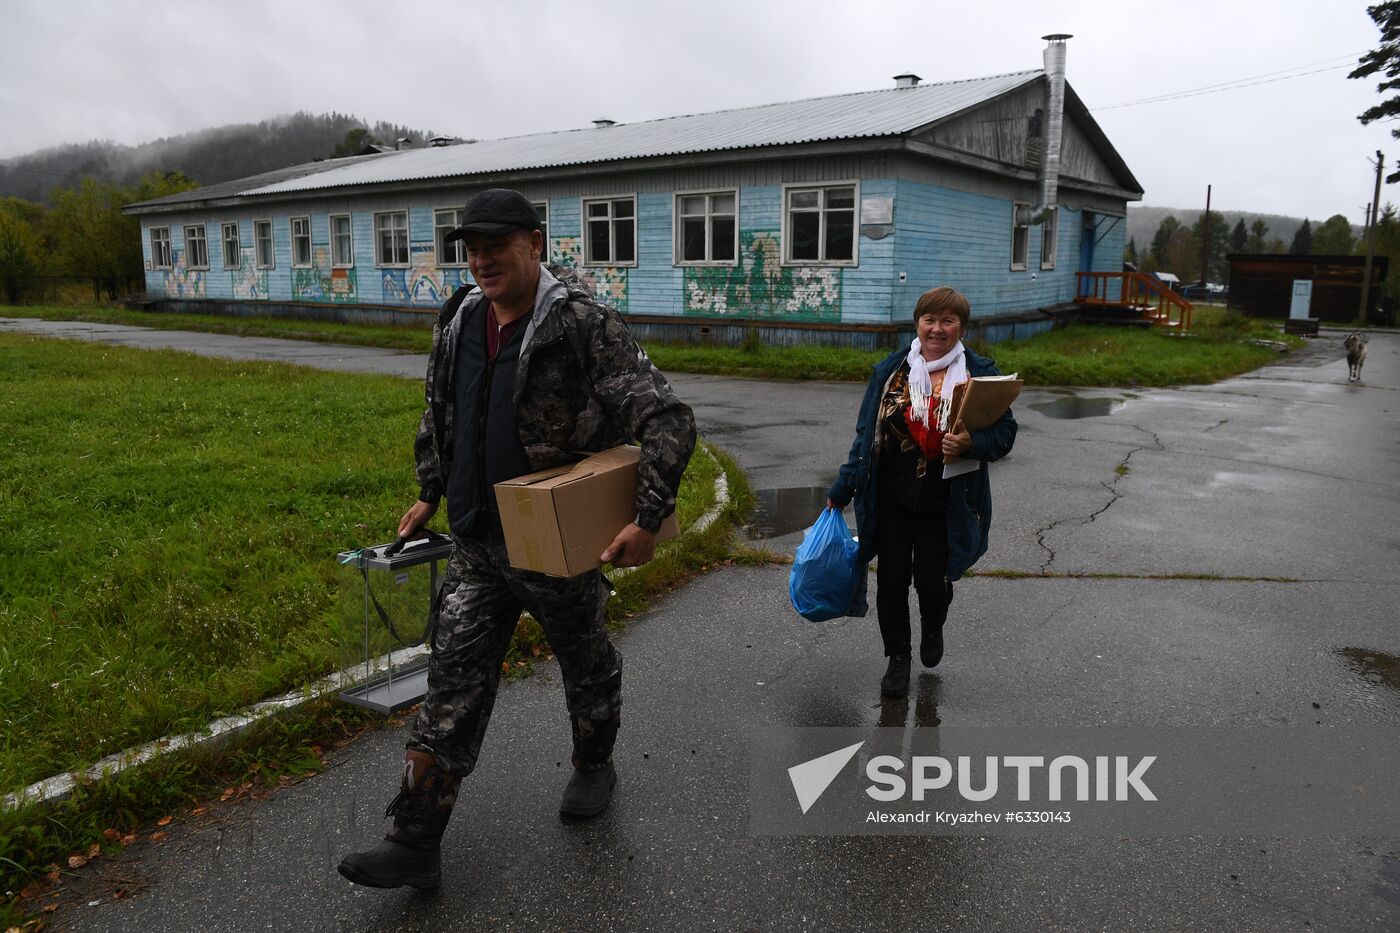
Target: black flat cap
496 211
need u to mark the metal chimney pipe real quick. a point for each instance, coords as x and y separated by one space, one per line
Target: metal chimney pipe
1054 128
908 79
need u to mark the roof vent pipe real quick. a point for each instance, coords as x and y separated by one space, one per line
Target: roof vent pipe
907 80
604 124
1054 129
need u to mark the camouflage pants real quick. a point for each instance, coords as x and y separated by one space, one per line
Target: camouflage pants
481 603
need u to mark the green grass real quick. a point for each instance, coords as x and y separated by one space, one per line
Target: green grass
168 526
1218 346
409 338
808 362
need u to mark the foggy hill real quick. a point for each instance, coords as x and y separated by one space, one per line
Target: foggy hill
208 156
1143 222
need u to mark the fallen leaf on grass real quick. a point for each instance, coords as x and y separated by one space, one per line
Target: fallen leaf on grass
157 837
94 850
76 861
50 908
164 821
198 810
128 839
111 835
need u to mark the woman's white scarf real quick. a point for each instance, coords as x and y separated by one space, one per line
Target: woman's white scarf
921 386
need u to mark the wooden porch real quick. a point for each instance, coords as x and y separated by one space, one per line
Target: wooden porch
1133 297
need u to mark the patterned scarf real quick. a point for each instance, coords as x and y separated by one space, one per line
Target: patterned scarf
921 386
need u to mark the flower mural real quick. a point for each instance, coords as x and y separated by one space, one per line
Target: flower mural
608 283
761 286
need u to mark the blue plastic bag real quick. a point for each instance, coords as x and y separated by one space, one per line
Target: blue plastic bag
825 572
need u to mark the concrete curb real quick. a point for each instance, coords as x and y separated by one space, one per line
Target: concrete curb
224 730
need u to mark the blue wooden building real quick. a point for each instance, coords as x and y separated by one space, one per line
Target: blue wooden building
814 220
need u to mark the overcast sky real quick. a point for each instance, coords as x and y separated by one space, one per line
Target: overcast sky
134 71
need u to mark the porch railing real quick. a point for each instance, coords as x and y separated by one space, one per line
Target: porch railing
1135 290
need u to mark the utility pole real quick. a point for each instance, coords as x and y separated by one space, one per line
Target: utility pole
1205 242
1371 240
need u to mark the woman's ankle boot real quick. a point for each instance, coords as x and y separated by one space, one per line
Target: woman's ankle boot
931 628
895 683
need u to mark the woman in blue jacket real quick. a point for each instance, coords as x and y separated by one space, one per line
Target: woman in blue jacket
924 521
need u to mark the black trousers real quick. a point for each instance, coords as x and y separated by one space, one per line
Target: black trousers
909 546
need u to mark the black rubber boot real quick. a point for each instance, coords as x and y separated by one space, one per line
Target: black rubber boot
589 792
931 629
410 854
895 683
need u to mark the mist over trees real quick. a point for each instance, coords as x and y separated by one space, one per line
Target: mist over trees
60 208
211 156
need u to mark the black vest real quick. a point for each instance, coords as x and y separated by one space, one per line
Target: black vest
486 447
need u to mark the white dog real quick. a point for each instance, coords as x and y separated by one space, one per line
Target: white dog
1356 355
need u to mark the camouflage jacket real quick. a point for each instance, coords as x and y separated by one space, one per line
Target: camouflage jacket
582 385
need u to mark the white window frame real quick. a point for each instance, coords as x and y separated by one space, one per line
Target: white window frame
678 230
542 208
225 240
378 254
1049 236
203 240
258 263
160 248
1025 241
440 230
310 251
822 187
348 262
588 259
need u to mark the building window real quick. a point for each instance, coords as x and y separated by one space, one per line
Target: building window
232 257
160 248
301 242
196 247
391 238
445 220
1049 239
821 225
542 208
707 229
611 237
342 243
262 244
1020 237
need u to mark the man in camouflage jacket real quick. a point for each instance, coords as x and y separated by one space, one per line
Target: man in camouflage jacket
527 371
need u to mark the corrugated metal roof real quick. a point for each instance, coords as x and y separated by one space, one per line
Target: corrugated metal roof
229 189
888 112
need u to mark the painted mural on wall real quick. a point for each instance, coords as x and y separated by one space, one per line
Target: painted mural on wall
249 282
323 283
423 282
761 286
181 281
608 283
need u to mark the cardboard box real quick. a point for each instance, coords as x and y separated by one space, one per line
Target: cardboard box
558 521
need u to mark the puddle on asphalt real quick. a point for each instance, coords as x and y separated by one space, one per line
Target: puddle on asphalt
923 705
1073 406
1376 668
782 511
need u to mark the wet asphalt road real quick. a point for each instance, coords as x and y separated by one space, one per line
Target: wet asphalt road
1285 479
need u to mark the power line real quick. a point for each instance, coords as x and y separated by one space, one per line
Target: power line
1252 81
